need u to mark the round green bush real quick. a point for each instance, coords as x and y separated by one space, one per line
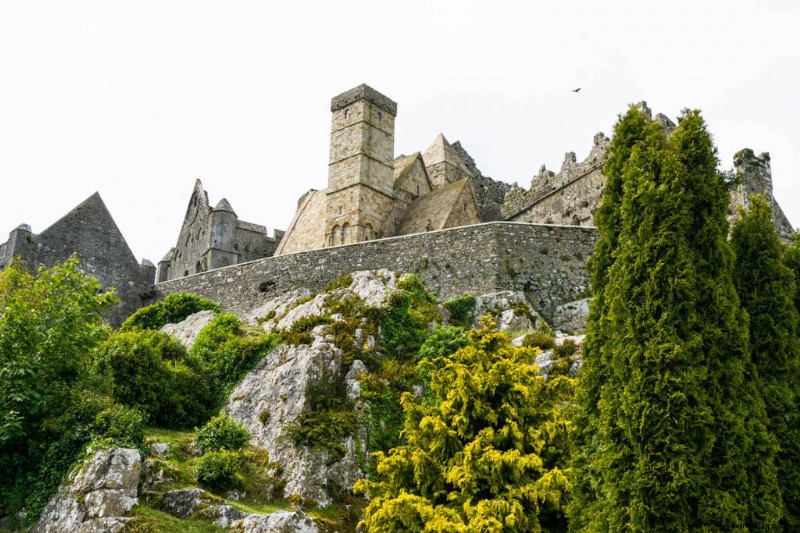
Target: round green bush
222 433
217 470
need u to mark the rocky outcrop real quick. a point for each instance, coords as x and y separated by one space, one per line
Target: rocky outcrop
279 314
279 521
511 310
184 502
98 497
571 317
222 515
544 360
274 395
187 330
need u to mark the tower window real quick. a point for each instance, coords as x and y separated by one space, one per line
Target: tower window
347 113
379 115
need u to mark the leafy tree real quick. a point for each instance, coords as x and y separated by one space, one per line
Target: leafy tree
171 310
674 433
766 287
49 324
490 456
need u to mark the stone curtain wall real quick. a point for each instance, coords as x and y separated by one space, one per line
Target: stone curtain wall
547 262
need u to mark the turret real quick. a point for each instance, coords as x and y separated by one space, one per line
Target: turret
222 235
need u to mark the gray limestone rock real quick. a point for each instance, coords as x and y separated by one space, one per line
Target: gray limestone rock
159 448
278 386
372 287
571 317
154 473
101 492
277 522
113 524
187 330
276 307
506 307
222 515
184 502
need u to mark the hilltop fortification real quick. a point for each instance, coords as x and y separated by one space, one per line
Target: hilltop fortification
431 212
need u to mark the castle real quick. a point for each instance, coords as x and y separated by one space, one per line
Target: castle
433 213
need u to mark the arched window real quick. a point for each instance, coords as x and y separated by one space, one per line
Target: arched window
345 233
336 236
368 232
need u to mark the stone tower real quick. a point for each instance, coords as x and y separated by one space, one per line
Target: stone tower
221 251
361 168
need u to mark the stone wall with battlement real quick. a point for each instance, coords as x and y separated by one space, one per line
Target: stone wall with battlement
546 262
569 197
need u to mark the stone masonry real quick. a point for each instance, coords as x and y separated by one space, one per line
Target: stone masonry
89 231
419 213
546 262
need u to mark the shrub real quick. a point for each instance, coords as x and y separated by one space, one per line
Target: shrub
539 339
120 426
406 317
217 470
149 371
222 433
171 310
300 331
442 343
228 352
331 417
462 310
340 283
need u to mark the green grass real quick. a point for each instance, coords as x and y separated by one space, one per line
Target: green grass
261 492
149 520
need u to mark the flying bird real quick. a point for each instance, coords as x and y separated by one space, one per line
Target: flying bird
576 90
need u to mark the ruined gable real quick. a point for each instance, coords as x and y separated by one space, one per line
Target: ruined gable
444 164
212 238
89 231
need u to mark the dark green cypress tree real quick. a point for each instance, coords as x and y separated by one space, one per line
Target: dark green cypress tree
792 259
628 132
680 442
766 288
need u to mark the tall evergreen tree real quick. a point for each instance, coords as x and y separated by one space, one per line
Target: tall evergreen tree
680 441
792 259
628 133
766 288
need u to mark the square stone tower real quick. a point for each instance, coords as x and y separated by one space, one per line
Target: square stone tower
361 168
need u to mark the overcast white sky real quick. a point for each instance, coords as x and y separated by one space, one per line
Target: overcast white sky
137 99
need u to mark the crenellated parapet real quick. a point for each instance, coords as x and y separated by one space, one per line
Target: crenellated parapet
570 196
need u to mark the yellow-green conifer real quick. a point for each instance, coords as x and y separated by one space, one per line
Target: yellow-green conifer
490 456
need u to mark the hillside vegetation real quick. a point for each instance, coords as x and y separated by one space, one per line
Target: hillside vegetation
371 405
